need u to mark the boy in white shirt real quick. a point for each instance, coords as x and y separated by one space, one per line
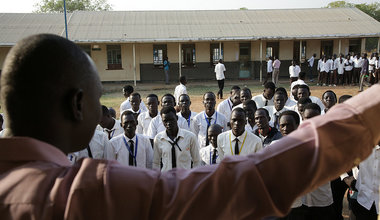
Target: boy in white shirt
174 146
209 154
145 118
130 148
266 98
185 112
219 72
279 106
135 100
348 66
127 91
110 126
180 89
238 141
294 70
225 107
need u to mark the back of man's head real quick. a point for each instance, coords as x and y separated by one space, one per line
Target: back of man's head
270 85
49 71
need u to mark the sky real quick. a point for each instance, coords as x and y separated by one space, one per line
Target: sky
25 6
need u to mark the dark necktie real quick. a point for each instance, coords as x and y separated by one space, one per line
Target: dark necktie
131 158
236 146
89 151
109 134
266 102
276 115
174 159
208 125
214 156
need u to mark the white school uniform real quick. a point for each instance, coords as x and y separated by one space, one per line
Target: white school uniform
294 71
273 113
178 91
200 125
142 150
189 121
115 131
156 126
348 65
219 71
261 101
144 120
186 150
225 108
206 154
320 197
340 66
249 143
127 105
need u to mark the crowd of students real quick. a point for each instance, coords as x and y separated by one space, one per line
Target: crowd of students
242 124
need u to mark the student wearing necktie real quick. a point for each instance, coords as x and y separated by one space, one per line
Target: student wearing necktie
209 154
175 147
130 148
238 141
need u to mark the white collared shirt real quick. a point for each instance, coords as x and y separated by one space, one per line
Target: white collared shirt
272 112
143 121
179 90
136 112
99 147
294 71
219 71
189 123
163 151
311 61
156 126
115 131
369 180
127 105
371 64
348 65
329 65
260 101
206 154
320 197
270 66
225 108
320 64
290 103
200 125
340 66
142 149
249 143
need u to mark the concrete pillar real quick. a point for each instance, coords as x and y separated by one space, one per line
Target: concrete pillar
261 60
134 63
179 59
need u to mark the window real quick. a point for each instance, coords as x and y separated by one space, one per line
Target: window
215 53
188 55
86 48
354 46
327 48
272 49
159 53
114 57
296 50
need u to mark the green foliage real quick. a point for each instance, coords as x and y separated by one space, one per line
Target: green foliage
48 6
243 8
372 9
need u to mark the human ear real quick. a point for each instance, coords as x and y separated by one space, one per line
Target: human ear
77 104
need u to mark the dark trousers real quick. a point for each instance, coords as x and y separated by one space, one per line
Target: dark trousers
347 77
362 213
333 77
269 75
338 189
221 86
319 213
355 75
296 214
310 73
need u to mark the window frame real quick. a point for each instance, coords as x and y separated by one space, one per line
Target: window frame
193 58
114 50
163 48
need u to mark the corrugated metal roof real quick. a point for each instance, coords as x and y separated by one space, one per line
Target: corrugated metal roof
161 26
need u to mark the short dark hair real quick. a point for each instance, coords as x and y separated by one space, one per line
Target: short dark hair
183 95
238 109
167 110
313 106
304 100
343 98
336 99
250 102
279 92
302 75
168 94
182 79
246 89
152 96
235 88
126 113
105 110
283 90
292 114
269 85
263 109
208 93
303 86
135 94
128 88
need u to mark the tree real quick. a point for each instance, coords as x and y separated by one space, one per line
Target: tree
46 6
243 8
372 9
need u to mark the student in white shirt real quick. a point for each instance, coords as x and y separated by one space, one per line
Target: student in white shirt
180 89
145 118
279 106
135 100
185 112
238 141
348 66
300 81
300 107
357 68
264 131
266 98
310 63
289 103
203 120
127 91
304 91
129 148
319 201
245 95
209 154
219 72
269 69
320 70
250 109
366 206
340 70
329 65
225 107
371 68
329 99
174 146
98 148
110 126
294 71
156 125
333 74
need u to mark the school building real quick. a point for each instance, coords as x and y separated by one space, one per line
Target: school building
131 45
